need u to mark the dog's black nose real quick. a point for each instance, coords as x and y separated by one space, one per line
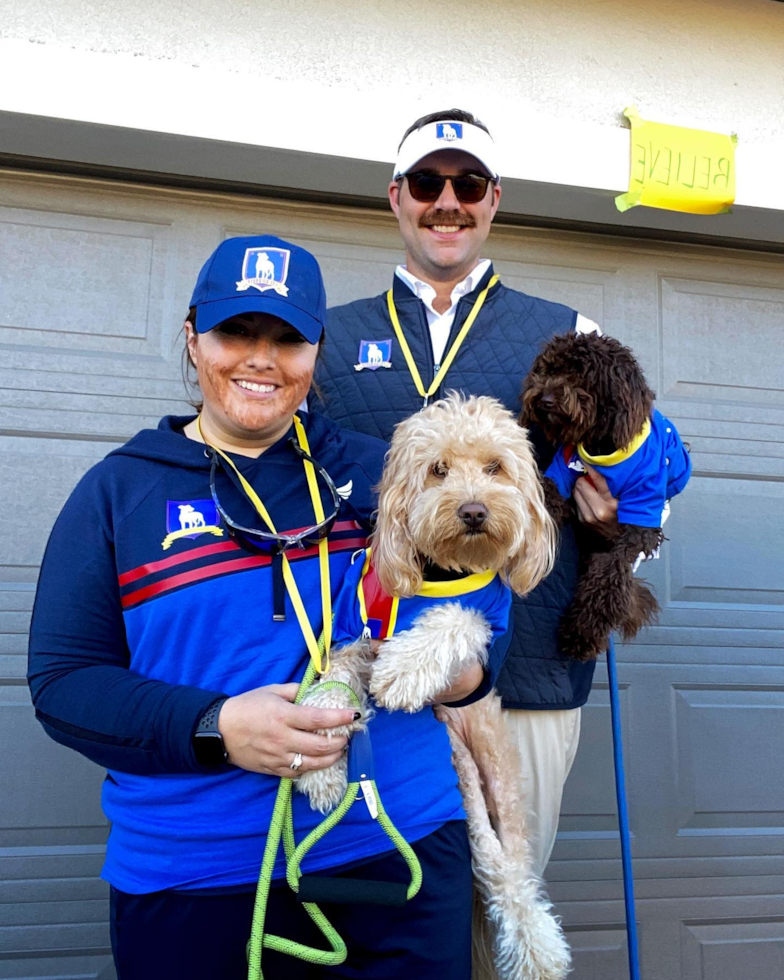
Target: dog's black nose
473 515
548 400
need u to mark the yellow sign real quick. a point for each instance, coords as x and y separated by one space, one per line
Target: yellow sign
679 169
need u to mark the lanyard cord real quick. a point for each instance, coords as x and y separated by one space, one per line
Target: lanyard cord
321 664
447 362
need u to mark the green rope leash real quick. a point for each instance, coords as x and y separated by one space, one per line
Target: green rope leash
282 827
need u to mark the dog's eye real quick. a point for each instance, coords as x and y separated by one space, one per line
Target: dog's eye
439 469
493 467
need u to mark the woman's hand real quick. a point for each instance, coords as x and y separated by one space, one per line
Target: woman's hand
596 505
263 730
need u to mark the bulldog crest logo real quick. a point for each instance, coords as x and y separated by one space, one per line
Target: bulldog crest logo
189 519
374 354
265 268
449 132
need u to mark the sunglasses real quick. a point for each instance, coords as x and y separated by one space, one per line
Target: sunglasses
268 542
426 186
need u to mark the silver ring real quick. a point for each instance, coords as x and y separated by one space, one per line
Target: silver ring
296 762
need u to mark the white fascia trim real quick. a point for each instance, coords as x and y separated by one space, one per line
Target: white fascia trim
165 97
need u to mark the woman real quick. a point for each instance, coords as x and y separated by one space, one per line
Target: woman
165 647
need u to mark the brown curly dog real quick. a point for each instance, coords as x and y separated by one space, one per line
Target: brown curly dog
588 390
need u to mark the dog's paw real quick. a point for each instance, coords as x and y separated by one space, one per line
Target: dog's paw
325 788
397 691
575 643
414 666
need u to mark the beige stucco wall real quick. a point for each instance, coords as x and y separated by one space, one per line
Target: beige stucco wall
716 64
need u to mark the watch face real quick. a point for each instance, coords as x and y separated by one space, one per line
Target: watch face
209 749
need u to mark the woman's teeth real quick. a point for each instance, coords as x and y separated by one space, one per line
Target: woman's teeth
252 386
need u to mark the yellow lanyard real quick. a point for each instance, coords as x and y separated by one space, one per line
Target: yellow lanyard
288 575
447 362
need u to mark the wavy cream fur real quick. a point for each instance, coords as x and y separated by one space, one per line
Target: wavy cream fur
418 511
454 452
526 940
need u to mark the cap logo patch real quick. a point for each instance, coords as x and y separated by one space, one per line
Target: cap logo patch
265 268
449 132
189 519
374 354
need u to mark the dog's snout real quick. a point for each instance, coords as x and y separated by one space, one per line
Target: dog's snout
548 400
473 514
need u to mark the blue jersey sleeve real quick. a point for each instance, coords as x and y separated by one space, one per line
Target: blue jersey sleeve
347 622
640 486
84 693
561 475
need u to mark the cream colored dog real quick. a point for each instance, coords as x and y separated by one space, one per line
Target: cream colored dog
460 491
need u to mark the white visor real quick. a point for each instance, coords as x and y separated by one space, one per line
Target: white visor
446 136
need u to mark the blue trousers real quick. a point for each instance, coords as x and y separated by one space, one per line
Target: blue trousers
196 936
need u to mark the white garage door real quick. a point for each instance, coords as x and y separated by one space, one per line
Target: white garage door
94 281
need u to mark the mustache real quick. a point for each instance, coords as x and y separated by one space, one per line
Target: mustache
438 217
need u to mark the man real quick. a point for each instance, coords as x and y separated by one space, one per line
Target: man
449 323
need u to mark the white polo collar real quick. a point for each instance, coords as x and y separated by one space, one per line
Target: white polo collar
425 292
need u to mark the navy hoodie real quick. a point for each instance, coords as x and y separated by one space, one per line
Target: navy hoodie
146 612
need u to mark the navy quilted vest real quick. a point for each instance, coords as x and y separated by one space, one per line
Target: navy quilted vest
506 336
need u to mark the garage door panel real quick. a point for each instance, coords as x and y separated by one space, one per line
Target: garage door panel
724 551
720 340
718 730
44 764
734 950
80 282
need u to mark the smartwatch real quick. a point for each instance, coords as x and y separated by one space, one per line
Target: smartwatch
207 741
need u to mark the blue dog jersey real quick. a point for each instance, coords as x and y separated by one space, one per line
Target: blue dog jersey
643 476
357 614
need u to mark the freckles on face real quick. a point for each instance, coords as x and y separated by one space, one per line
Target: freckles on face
253 372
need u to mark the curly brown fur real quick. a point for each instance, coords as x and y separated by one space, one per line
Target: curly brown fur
608 597
589 389
562 511
584 388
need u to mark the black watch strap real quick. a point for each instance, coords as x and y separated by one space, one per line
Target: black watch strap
208 744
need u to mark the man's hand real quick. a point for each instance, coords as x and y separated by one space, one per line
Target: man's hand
596 506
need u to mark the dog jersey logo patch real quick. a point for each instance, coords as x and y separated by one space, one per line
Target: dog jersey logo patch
265 268
189 519
374 354
344 492
449 132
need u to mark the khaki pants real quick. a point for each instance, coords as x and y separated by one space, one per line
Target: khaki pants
547 741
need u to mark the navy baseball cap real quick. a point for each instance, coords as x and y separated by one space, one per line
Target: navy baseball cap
261 274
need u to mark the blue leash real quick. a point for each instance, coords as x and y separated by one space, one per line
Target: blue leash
623 817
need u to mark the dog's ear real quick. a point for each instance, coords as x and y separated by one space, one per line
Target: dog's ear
631 397
535 557
394 556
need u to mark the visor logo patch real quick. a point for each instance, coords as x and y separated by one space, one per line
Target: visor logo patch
374 354
189 519
449 132
265 268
